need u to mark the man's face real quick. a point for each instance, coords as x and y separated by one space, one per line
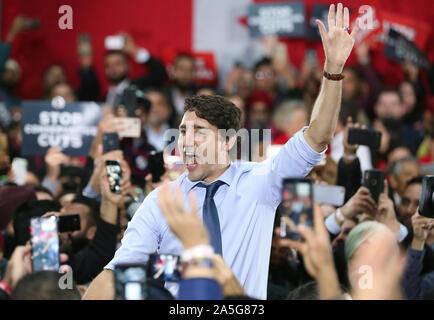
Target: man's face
69 240
115 68
160 110
184 72
389 106
258 113
408 170
63 91
199 146
409 203
54 74
265 78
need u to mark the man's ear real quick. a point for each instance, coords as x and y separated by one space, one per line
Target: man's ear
90 233
230 142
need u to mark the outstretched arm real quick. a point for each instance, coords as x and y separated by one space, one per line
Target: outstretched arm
337 44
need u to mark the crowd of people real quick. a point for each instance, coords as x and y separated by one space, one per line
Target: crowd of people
249 259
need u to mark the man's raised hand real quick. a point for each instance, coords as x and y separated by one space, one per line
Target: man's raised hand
337 42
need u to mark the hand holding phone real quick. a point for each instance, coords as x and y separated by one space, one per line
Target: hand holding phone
426 201
114 42
68 223
166 267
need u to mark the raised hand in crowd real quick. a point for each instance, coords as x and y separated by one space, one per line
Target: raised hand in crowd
226 278
422 228
19 265
386 211
350 150
316 250
130 47
54 158
360 202
19 24
112 201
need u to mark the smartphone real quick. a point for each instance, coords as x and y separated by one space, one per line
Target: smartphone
45 244
114 172
374 181
110 142
165 267
366 137
32 23
19 170
114 42
426 201
296 207
130 282
131 127
68 223
333 195
129 100
156 165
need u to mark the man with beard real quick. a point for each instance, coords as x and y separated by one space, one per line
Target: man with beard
90 248
116 70
183 86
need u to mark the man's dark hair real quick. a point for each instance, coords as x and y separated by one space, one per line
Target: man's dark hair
39 188
216 109
415 180
114 52
93 206
31 209
183 55
265 61
43 285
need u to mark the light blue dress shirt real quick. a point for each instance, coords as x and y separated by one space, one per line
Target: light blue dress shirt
246 206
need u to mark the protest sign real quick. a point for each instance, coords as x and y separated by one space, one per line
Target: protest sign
70 126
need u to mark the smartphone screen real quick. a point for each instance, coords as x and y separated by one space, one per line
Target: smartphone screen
45 244
166 267
69 223
114 172
19 170
114 42
130 282
296 208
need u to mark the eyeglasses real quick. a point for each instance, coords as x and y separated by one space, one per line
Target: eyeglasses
261 75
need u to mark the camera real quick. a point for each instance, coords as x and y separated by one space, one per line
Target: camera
426 201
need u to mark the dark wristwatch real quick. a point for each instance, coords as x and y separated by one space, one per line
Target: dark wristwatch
333 76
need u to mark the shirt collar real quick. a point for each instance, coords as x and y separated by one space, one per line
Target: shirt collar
226 177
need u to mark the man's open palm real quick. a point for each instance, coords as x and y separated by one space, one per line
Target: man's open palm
337 42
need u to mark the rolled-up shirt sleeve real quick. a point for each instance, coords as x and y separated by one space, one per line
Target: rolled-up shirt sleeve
295 160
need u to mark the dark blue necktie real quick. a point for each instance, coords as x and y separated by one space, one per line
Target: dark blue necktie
210 215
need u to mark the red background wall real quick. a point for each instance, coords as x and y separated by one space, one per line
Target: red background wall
154 24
